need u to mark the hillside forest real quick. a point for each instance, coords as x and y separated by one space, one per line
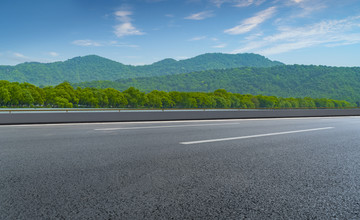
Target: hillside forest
340 83
92 67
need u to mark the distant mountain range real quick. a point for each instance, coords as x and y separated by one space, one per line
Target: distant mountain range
342 83
92 67
237 73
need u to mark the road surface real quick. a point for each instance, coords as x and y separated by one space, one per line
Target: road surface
296 168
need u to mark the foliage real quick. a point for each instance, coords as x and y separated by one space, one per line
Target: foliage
92 68
286 81
14 94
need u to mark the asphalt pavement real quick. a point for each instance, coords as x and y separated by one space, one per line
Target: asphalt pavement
295 168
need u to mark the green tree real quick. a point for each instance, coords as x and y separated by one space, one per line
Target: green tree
67 88
5 96
134 97
154 99
17 96
115 98
87 97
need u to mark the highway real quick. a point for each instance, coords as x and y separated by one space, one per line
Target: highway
287 168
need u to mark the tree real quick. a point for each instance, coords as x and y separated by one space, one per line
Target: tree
267 101
134 97
154 99
115 98
222 98
71 94
17 96
62 103
87 97
63 95
27 100
5 96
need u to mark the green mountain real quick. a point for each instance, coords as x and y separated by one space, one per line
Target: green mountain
92 67
342 83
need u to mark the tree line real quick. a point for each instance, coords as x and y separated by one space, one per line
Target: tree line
14 94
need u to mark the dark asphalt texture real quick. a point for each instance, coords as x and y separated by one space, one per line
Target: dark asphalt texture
73 171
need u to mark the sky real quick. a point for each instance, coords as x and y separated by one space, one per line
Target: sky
138 32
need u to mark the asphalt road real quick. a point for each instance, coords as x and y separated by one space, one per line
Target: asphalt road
298 168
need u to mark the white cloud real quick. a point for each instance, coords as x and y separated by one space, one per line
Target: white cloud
123 16
200 16
220 46
86 43
19 55
197 38
250 47
237 3
306 7
246 3
14 58
285 47
218 3
329 33
125 28
324 29
53 54
254 36
250 23
346 39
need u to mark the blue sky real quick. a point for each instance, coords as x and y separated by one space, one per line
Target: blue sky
320 32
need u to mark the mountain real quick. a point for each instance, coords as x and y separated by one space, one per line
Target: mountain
342 83
77 69
92 67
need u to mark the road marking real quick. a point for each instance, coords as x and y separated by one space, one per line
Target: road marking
166 126
254 136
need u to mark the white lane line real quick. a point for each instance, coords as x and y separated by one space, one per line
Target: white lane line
254 136
166 126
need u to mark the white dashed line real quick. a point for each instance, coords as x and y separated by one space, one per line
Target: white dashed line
254 136
165 126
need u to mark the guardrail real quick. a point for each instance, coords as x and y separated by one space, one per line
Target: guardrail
19 110
44 117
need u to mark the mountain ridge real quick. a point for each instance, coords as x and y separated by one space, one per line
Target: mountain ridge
93 67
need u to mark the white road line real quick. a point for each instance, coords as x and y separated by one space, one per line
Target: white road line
166 126
253 136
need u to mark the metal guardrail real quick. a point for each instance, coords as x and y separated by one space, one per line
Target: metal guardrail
20 110
24 116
